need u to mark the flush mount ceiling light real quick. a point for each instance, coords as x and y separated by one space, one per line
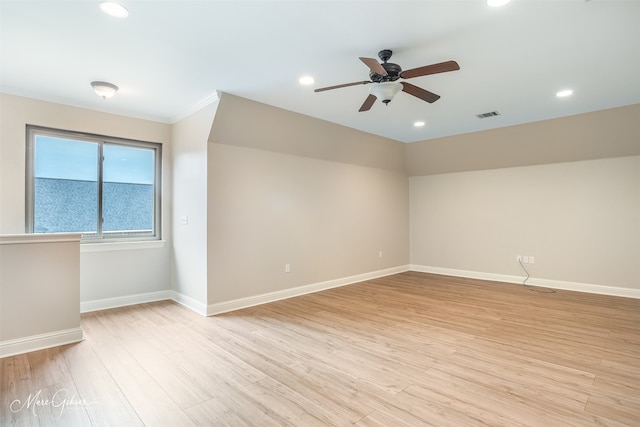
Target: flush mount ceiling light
104 89
564 93
497 3
114 9
385 91
419 124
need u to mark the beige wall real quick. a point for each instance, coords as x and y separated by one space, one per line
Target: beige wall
327 219
28 319
252 124
105 275
580 220
16 112
601 134
280 191
563 190
189 163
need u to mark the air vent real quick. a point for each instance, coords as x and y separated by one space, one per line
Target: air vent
489 114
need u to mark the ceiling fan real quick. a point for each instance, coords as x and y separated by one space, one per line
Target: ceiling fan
385 77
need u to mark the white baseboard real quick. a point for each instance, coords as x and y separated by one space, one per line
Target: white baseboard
547 283
40 342
212 309
251 301
226 306
189 302
106 303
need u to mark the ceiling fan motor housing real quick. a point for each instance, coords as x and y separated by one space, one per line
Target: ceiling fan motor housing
393 73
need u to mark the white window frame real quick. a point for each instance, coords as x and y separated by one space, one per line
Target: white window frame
31 134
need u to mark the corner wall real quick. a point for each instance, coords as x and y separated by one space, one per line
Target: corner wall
579 218
189 159
580 221
290 189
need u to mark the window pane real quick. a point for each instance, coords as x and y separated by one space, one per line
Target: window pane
128 193
66 186
100 186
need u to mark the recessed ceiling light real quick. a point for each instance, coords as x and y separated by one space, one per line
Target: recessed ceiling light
114 9
497 3
306 80
419 124
563 93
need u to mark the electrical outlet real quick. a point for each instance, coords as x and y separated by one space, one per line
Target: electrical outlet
531 260
518 258
525 259
380 254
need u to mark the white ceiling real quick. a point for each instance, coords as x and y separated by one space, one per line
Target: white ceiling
170 57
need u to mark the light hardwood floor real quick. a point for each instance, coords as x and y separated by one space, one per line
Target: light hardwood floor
410 349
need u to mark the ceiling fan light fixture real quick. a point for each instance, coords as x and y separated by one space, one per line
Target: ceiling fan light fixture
385 91
104 89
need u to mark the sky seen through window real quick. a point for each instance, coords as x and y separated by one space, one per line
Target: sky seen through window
60 158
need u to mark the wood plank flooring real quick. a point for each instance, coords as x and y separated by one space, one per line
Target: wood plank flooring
411 349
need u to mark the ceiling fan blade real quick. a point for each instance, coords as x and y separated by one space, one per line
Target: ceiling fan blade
374 66
343 85
418 92
442 67
368 103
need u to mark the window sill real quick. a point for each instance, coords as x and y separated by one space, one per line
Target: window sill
121 246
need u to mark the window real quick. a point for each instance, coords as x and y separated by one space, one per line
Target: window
102 187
